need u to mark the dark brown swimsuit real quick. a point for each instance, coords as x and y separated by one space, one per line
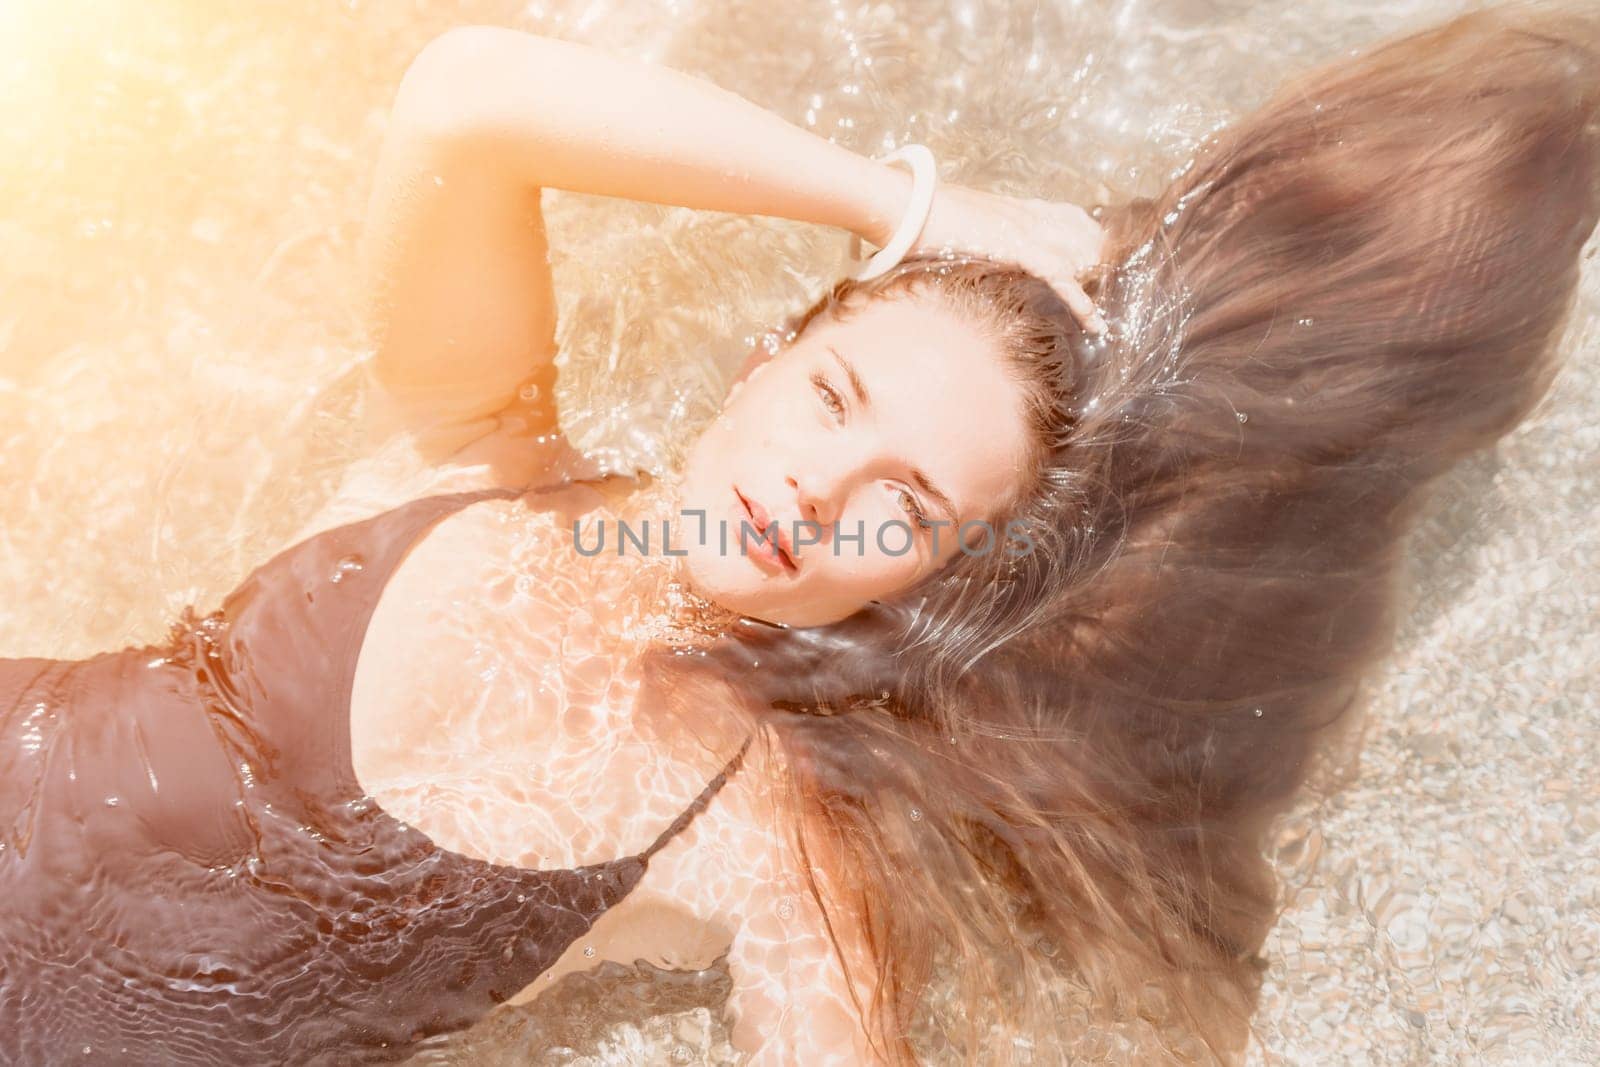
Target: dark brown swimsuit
190 873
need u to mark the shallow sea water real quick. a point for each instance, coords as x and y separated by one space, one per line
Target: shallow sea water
181 187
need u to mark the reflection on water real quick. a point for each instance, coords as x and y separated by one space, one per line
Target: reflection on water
180 190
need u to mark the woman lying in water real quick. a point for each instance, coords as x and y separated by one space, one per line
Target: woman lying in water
424 762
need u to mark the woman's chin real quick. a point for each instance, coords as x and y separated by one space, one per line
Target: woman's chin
713 577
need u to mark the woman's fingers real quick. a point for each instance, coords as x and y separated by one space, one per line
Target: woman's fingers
1053 240
1079 304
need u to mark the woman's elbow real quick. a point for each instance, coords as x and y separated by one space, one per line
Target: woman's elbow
450 84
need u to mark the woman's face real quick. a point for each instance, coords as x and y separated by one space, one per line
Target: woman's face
869 441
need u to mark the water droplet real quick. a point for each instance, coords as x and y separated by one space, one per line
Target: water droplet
916 814
785 910
346 565
523 584
1242 417
589 951
438 180
529 392
1306 321
1258 713
112 802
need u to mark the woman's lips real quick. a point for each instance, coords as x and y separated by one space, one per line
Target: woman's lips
766 552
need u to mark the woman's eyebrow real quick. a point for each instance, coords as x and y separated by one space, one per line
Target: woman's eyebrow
935 492
856 384
917 475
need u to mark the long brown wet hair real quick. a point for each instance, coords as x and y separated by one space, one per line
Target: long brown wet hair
1065 762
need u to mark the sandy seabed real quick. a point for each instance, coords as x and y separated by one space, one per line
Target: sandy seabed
181 187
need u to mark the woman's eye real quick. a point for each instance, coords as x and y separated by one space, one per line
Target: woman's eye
830 396
914 509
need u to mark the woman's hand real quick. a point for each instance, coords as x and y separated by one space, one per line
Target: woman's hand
1055 240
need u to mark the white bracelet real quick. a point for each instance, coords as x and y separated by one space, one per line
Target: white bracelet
924 175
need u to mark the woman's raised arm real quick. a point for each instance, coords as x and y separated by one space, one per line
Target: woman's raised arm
460 301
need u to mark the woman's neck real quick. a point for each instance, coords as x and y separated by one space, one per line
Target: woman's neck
674 611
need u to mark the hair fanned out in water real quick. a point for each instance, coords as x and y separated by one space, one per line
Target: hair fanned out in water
1343 295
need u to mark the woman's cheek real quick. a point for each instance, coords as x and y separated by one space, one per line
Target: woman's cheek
891 569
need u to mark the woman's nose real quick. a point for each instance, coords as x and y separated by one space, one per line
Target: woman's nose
817 503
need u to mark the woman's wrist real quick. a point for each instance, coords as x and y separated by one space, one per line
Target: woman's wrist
885 194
